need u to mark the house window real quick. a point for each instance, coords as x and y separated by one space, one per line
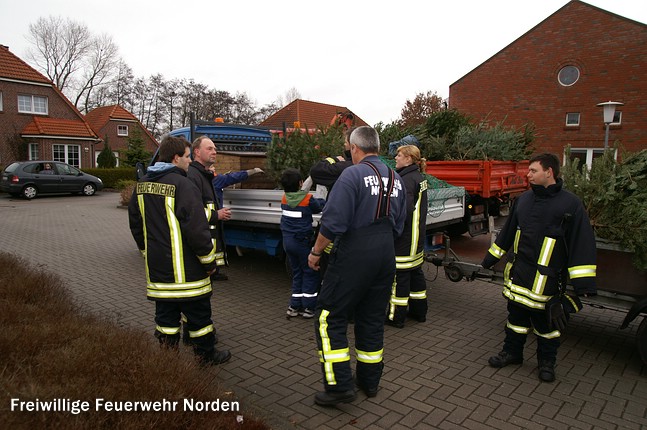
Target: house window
568 75
573 119
70 154
122 130
587 155
32 104
1 109
33 151
96 157
617 118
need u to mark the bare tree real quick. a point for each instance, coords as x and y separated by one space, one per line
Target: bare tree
101 66
59 48
290 95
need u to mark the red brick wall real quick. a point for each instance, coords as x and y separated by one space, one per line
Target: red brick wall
12 122
519 84
120 143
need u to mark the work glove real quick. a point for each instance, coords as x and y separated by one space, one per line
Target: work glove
254 171
555 314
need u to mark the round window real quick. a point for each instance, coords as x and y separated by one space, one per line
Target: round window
568 75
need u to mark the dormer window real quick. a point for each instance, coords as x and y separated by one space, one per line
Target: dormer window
122 130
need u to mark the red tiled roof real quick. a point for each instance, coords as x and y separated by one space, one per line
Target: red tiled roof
42 126
99 117
309 114
13 67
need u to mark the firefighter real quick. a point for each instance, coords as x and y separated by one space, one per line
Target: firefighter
204 156
326 172
548 239
409 291
167 221
365 210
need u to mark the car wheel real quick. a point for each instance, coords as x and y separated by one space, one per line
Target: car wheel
89 189
29 192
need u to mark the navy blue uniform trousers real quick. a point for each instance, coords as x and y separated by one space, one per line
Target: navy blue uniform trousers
358 280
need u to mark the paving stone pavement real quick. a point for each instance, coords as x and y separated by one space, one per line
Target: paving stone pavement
436 373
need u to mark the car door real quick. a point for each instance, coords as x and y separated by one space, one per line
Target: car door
71 180
45 182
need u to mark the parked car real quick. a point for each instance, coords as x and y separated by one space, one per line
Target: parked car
30 178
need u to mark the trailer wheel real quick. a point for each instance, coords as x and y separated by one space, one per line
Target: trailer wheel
641 340
453 273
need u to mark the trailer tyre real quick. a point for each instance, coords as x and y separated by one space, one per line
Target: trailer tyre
641 340
453 273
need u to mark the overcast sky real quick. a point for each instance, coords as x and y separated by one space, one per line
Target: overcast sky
370 56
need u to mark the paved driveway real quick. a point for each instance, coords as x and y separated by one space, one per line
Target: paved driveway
436 372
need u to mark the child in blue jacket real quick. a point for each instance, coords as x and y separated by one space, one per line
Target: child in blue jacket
296 225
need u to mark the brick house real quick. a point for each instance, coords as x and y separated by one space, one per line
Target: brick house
116 125
37 121
554 76
306 114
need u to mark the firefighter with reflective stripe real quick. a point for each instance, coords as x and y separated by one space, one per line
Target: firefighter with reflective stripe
549 241
365 210
409 290
204 156
296 227
326 172
167 221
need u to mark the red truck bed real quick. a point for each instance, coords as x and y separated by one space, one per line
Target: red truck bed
486 178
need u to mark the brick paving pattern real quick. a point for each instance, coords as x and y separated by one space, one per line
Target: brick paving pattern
436 373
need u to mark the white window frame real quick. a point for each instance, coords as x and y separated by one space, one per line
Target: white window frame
617 114
570 115
122 130
35 102
96 157
33 152
1 104
70 154
590 152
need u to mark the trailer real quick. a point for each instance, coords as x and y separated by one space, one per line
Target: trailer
491 187
256 217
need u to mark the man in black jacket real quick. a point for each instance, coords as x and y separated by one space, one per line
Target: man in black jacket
204 155
168 222
549 241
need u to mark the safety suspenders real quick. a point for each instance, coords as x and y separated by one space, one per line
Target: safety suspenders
384 202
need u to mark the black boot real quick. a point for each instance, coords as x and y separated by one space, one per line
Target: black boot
332 398
504 358
547 370
215 358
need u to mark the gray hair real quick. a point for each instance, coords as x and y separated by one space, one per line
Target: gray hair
366 139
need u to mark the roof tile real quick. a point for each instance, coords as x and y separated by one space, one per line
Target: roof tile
58 127
12 67
308 114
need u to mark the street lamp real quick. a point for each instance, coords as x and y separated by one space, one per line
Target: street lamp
609 110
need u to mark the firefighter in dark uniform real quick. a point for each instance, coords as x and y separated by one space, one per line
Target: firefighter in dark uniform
326 172
409 292
364 212
167 221
204 156
549 241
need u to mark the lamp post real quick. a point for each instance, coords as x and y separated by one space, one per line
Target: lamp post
609 110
